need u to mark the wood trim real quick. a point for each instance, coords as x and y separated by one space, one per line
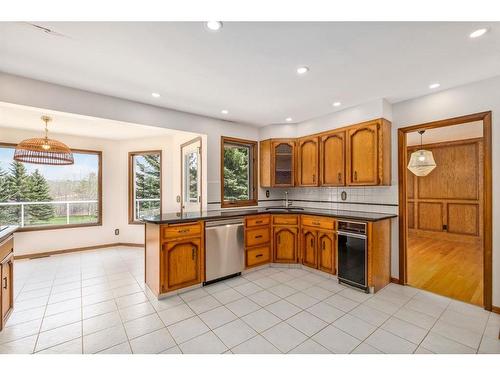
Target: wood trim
74 250
255 170
131 182
99 194
495 309
395 280
185 144
485 117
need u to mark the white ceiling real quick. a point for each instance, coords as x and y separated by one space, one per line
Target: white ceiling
446 134
249 68
28 118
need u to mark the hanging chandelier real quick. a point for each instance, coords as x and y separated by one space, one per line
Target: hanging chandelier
421 161
43 150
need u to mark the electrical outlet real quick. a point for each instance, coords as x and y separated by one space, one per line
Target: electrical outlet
117 232
267 193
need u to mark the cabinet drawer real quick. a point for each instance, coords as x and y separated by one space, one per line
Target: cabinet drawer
285 219
6 247
258 236
182 230
255 221
318 222
258 255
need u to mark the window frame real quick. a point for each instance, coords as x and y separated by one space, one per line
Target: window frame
99 195
254 169
131 207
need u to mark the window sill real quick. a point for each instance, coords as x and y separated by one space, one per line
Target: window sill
54 227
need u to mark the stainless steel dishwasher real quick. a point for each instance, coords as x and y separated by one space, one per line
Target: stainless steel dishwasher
224 249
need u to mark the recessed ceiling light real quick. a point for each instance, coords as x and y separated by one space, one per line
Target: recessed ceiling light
302 70
224 111
155 95
477 33
289 119
337 104
434 85
214 25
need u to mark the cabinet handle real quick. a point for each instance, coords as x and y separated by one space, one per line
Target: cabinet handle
258 236
314 177
340 177
355 176
258 255
315 223
193 252
5 282
312 242
258 222
322 245
183 231
279 239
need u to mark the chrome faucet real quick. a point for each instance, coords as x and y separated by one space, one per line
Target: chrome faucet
287 202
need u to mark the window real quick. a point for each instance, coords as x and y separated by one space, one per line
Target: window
144 185
238 172
37 196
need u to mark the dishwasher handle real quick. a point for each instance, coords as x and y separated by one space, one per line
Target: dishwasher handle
222 223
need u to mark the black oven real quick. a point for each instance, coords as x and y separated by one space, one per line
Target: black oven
352 255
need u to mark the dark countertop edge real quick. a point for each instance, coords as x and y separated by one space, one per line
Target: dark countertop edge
7 232
261 211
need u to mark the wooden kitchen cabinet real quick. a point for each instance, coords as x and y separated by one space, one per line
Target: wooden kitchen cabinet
355 155
309 248
257 240
318 243
277 163
285 244
368 154
327 243
332 159
7 279
307 161
181 263
174 256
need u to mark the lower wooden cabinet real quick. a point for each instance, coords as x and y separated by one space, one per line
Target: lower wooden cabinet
7 280
181 263
309 248
318 249
258 256
285 244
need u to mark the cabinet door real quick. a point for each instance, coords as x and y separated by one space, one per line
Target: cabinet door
7 287
285 244
363 155
283 163
181 263
326 251
309 248
307 162
332 159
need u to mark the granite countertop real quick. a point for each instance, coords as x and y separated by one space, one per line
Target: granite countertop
177 217
6 231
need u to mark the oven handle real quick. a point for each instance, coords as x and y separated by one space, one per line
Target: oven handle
354 235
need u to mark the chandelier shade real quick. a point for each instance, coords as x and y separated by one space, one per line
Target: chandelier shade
43 150
421 161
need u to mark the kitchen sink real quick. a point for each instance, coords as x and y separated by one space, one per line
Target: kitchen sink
280 208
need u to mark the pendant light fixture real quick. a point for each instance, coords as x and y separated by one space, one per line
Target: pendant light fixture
43 150
421 161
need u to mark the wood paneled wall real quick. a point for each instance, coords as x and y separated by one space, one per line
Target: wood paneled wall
448 201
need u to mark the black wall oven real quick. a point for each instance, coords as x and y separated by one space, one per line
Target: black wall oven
352 254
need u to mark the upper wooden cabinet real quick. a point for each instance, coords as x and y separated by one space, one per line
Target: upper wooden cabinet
277 163
332 159
356 155
307 161
369 153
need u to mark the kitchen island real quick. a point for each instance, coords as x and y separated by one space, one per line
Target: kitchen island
295 237
6 272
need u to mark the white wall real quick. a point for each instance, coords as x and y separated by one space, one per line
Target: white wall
115 190
25 91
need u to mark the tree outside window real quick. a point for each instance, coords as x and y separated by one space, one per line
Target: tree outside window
239 171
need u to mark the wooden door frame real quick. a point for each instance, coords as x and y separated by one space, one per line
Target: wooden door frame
185 144
485 117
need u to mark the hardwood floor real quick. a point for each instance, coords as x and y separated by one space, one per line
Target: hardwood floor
449 268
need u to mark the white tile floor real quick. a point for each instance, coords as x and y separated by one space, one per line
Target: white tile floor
95 302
